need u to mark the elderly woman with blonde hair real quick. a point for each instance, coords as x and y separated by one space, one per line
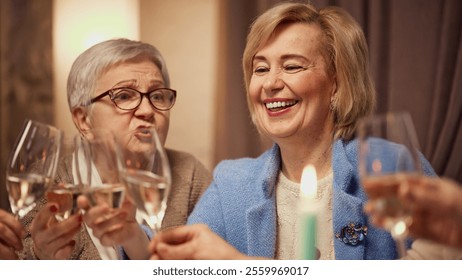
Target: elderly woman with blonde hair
308 84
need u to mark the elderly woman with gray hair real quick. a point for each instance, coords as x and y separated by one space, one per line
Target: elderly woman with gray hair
97 76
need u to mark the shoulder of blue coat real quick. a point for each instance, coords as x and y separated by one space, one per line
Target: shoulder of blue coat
246 166
348 150
260 172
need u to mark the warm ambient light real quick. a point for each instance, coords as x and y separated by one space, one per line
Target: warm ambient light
307 214
79 24
308 182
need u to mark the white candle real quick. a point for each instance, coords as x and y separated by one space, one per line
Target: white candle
307 212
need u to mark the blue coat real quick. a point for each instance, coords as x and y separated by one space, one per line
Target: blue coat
240 206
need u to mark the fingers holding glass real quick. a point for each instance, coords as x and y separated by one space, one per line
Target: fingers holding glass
11 235
388 158
53 239
103 192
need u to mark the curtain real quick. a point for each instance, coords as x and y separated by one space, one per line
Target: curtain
416 62
26 82
235 135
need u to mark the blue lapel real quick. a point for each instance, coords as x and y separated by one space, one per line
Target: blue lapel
261 229
261 218
347 199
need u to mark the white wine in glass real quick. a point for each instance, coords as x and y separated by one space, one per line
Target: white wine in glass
32 165
104 184
98 167
66 194
146 172
388 154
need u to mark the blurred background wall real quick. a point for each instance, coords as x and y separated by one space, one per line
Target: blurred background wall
26 72
415 51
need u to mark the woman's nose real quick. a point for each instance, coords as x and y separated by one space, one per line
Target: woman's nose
145 107
273 81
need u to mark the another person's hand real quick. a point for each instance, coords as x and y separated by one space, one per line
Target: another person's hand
436 206
194 242
53 240
11 235
116 227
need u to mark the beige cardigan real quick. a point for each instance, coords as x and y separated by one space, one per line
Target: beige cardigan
190 178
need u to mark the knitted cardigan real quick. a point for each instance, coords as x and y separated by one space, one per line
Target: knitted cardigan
189 180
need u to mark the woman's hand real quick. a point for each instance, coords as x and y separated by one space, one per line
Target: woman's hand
11 235
116 227
53 240
194 242
436 209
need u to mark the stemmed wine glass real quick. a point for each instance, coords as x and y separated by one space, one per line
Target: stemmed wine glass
66 194
32 165
146 172
388 154
97 165
99 160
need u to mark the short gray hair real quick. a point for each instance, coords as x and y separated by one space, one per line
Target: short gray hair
92 63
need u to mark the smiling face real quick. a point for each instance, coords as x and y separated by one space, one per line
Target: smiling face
291 87
142 75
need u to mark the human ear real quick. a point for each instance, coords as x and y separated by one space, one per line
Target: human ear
81 119
334 86
333 96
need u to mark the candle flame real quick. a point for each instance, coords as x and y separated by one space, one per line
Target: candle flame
308 182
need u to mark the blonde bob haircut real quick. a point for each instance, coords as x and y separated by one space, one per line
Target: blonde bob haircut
344 48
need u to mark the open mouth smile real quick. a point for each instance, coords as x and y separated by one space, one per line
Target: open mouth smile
280 105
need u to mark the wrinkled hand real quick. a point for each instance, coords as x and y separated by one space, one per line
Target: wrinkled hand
116 226
11 235
53 240
109 225
436 209
194 242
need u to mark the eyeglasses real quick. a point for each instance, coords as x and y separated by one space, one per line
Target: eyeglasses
127 99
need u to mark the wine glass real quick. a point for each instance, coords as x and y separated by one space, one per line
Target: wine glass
146 172
99 160
66 194
388 154
97 163
32 165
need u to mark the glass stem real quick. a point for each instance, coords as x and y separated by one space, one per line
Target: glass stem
399 233
401 247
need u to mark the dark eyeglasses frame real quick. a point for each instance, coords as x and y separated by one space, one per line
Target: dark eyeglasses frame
142 94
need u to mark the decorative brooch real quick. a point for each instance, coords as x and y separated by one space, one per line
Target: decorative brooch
352 234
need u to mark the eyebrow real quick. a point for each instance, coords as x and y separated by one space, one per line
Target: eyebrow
283 57
124 82
134 83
